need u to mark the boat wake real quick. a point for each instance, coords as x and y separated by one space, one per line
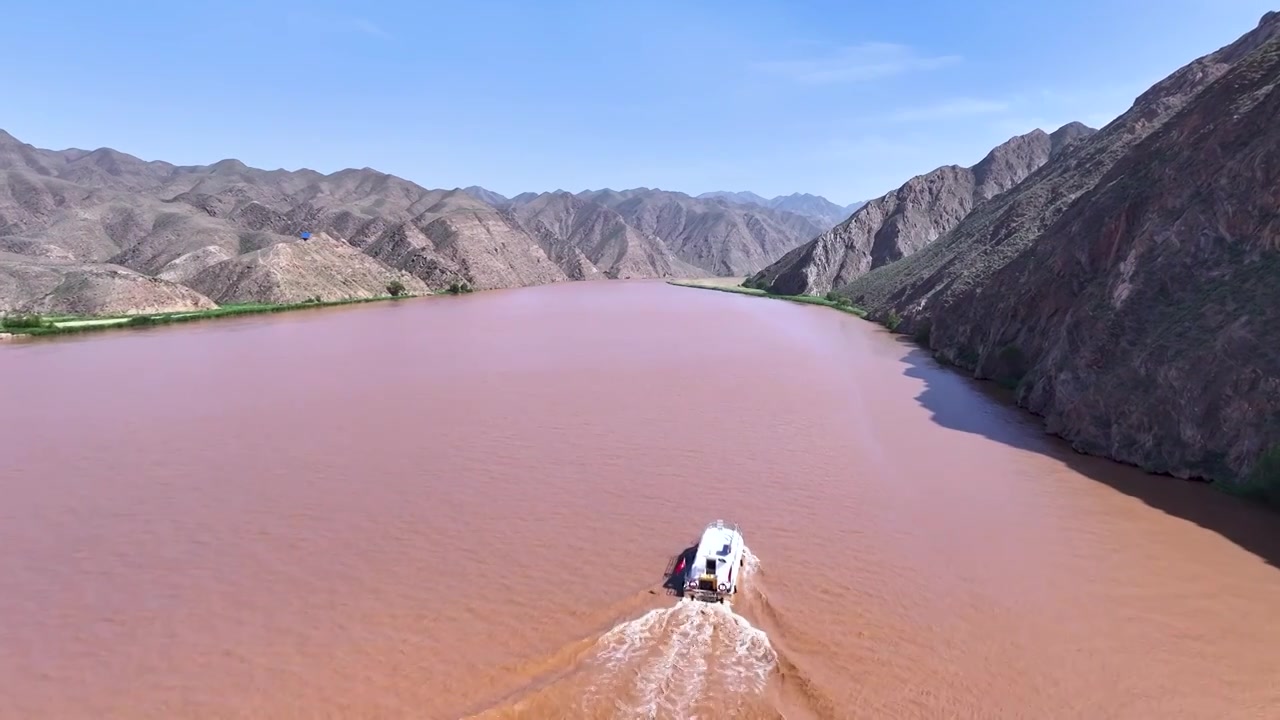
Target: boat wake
695 659
683 661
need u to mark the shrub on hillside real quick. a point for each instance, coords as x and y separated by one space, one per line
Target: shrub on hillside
836 298
395 288
1263 482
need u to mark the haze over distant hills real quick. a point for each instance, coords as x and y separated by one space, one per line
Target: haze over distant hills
814 206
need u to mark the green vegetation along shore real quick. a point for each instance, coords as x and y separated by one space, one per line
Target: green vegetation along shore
24 324
39 325
733 285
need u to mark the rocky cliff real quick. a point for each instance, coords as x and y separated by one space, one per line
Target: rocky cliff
1130 289
904 221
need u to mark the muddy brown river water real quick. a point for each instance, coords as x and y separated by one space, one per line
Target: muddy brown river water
463 507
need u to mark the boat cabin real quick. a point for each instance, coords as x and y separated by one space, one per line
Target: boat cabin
713 572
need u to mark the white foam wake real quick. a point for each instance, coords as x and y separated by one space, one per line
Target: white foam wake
670 661
751 563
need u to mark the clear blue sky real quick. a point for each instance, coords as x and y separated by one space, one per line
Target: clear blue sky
841 98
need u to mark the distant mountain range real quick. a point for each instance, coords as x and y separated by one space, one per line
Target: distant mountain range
96 232
817 207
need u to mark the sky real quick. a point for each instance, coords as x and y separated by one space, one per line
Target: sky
843 99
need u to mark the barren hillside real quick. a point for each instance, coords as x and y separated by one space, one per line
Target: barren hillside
902 222
1130 288
195 224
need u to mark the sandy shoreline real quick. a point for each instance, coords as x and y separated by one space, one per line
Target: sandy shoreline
711 282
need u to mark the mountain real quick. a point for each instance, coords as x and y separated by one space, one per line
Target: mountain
292 272
715 235
815 207
596 240
455 237
739 198
233 232
902 222
486 196
1129 290
678 235
819 208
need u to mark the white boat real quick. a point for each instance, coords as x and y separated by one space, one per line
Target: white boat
716 567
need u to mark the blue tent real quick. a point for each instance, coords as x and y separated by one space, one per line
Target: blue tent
305 236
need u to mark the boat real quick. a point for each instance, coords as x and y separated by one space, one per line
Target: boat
716 567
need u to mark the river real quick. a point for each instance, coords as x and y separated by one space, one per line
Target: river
464 507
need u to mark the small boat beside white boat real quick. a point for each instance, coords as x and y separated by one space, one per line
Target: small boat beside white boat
715 570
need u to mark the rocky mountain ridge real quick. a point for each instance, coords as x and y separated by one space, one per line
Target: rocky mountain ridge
904 221
815 207
1129 290
73 209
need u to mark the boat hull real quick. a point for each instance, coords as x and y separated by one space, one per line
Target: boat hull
714 572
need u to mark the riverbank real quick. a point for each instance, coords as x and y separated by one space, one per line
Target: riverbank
1262 486
44 325
733 285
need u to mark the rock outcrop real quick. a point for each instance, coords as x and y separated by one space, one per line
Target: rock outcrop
1130 289
184 267
59 288
902 222
294 272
